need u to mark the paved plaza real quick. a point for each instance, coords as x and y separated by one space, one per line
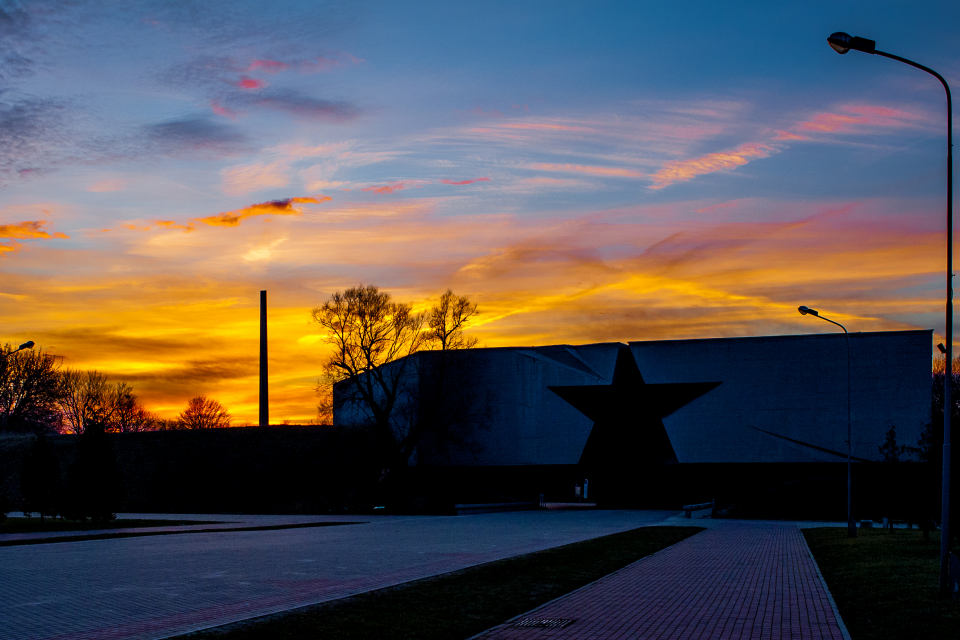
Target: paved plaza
159 586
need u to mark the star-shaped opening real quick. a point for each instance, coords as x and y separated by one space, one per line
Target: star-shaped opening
628 415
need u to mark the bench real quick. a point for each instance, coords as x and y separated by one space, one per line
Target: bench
689 509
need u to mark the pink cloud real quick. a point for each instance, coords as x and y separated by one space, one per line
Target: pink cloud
545 126
221 110
326 63
462 182
590 170
269 66
246 82
853 117
683 170
387 188
787 136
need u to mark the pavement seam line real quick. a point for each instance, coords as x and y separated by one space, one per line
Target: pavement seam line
826 588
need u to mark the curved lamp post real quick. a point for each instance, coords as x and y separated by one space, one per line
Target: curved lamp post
851 527
841 43
26 345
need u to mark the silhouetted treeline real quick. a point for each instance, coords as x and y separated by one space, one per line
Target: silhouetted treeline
37 396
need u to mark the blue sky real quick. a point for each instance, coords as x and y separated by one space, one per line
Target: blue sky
586 171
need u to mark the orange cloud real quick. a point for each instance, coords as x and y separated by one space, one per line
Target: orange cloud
462 182
161 224
590 170
170 224
28 229
273 207
683 170
185 319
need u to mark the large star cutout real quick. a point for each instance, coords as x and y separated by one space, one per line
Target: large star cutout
628 415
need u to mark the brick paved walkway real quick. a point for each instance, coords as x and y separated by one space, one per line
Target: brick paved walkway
735 580
155 587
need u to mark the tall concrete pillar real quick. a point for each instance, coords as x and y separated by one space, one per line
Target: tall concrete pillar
264 402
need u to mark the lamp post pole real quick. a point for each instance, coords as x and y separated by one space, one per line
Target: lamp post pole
841 43
851 526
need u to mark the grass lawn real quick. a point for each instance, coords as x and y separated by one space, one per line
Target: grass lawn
34 525
885 583
463 603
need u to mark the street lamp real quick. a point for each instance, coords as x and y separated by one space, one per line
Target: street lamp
26 345
851 527
841 43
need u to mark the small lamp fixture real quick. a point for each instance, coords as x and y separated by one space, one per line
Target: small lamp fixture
804 310
842 42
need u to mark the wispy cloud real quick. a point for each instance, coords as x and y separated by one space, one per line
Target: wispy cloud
305 106
223 111
588 170
318 64
31 133
464 182
859 118
107 185
683 170
269 66
388 188
195 134
843 119
248 178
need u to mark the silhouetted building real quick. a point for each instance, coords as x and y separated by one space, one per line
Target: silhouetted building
622 414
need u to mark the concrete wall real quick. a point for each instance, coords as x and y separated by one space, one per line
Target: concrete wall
796 387
780 399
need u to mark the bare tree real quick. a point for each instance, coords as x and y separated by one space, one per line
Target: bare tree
128 414
203 413
367 331
447 320
29 390
85 400
371 335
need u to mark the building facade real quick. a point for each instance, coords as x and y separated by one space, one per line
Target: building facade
628 410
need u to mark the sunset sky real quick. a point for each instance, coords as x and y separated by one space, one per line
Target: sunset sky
585 171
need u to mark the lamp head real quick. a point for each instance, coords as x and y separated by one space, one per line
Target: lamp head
842 42
26 345
805 310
